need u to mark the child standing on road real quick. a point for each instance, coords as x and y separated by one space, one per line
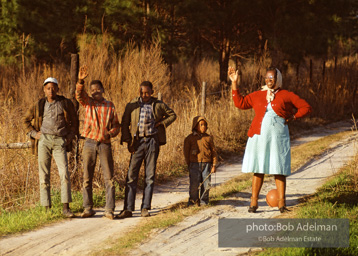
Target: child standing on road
201 158
101 124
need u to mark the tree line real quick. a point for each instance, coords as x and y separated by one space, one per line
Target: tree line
48 30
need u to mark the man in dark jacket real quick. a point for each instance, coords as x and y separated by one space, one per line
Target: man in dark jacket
51 123
143 129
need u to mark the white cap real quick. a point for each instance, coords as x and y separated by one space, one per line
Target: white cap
50 80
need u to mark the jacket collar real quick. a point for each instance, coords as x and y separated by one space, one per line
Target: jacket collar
138 100
149 102
195 133
43 100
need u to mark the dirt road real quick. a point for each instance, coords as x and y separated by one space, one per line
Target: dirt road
81 236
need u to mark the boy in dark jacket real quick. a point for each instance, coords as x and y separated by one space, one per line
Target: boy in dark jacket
201 158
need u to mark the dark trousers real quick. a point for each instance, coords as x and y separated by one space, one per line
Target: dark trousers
198 173
91 149
147 149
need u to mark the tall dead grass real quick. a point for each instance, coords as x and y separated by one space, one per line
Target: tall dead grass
121 74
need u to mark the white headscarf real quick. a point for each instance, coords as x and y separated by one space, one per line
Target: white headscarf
270 92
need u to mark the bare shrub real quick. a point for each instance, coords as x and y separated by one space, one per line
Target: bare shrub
141 65
208 71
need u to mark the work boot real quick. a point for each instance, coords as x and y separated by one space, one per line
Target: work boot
68 213
191 203
109 215
124 214
88 212
145 213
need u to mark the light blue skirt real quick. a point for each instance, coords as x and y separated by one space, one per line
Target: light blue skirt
269 152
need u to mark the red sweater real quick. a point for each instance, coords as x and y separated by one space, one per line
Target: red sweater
284 105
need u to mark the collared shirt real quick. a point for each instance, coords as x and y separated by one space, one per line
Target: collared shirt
101 121
54 122
146 124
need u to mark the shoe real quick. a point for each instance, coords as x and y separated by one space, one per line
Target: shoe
253 208
88 213
124 214
283 209
145 213
282 205
203 203
109 215
68 213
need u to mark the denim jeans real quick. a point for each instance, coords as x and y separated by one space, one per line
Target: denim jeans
147 149
91 149
53 145
198 173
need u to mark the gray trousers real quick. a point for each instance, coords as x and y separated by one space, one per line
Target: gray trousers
52 145
91 149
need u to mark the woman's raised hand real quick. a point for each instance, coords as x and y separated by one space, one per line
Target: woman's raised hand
233 74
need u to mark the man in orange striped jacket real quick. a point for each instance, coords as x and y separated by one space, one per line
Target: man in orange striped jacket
101 124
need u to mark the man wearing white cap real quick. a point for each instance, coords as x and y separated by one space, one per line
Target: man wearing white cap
51 123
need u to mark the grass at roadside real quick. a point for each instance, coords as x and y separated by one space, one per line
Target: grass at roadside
29 219
19 221
338 198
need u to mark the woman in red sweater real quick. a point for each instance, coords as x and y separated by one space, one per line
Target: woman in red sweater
268 149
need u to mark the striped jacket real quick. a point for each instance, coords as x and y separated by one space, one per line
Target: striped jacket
101 120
